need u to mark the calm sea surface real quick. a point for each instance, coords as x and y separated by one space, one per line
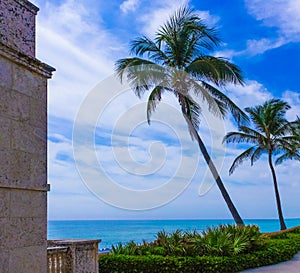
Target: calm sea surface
115 231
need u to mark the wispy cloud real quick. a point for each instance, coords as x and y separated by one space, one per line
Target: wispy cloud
252 93
129 5
283 14
158 12
79 48
255 47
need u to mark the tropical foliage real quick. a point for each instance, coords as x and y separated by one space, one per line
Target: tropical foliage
293 150
225 240
272 248
272 134
177 62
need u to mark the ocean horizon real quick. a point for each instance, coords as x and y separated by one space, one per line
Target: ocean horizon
112 232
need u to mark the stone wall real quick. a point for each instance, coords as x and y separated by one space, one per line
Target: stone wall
17 20
23 142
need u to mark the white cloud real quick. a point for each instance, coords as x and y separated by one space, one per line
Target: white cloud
255 47
252 93
129 5
293 99
160 11
80 50
283 14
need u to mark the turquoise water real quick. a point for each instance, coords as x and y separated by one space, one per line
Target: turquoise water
115 231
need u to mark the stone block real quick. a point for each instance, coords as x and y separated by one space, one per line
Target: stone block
24 232
4 261
38 169
5 72
28 204
20 165
28 260
4 166
27 138
4 203
23 80
14 104
5 101
4 234
28 82
5 125
40 92
21 136
19 106
38 114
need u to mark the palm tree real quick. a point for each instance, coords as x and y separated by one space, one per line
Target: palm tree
176 62
270 134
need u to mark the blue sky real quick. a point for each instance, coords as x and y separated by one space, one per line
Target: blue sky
82 39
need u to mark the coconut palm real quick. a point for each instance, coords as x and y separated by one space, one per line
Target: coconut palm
176 62
271 134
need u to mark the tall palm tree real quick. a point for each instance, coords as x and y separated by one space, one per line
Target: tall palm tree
176 62
271 134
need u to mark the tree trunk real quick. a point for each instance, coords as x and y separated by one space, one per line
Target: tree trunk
280 214
237 218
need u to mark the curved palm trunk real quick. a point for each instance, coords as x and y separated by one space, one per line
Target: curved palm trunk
237 218
280 214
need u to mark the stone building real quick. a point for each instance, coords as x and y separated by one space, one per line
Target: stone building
23 142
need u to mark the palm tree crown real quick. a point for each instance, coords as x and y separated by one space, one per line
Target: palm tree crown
293 150
176 61
271 134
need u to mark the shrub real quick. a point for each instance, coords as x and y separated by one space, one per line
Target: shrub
225 240
275 251
267 249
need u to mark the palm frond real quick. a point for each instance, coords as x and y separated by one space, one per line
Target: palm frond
257 154
191 110
144 45
241 158
255 133
238 137
141 74
215 106
217 70
122 65
153 99
238 114
287 156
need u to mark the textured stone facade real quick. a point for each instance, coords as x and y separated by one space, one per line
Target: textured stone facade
17 20
23 142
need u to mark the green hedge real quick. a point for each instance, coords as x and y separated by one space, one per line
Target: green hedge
276 250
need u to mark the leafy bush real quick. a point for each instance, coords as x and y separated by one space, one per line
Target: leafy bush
274 251
151 257
227 240
224 240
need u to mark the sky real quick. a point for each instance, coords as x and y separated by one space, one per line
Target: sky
106 162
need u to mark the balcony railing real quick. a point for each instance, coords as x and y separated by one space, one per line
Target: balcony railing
73 256
58 260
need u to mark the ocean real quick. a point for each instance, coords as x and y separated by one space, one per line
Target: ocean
112 232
